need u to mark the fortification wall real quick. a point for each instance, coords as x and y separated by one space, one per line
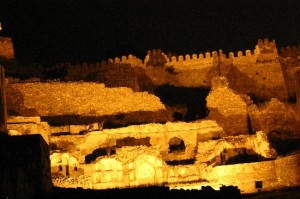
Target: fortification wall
287 170
290 51
262 79
283 172
84 99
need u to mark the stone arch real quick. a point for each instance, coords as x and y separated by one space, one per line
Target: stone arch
146 173
148 169
109 170
176 144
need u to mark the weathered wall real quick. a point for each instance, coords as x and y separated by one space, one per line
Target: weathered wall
211 151
283 172
27 126
262 79
227 108
111 74
135 166
131 167
84 99
25 166
287 170
160 135
275 116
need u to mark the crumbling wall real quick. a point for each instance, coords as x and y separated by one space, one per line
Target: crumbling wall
27 126
228 109
84 99
274 116
216 152
160 134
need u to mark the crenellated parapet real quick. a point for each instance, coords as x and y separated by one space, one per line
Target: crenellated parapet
193 61
290 51
266 50
209 59
155 58
130 59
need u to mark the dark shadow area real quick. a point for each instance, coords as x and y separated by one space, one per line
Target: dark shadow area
98 153
110 121
283 145
240 155
192 98
150 192
249 125
283 193
176 145
292 99
181 162
131 141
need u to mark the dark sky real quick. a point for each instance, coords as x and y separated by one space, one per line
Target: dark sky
53 31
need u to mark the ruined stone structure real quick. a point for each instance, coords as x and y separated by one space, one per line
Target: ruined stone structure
231 146
83 103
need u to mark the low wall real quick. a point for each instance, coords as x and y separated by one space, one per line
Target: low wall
283 172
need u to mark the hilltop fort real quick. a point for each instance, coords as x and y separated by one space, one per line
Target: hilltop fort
181 121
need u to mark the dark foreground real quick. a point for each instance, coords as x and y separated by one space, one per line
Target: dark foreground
285 193
144 193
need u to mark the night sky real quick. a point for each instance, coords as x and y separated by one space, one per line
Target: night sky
76 31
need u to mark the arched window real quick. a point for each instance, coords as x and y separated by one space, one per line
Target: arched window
176 145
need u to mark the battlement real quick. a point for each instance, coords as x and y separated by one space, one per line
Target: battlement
290 51
209 59
130 59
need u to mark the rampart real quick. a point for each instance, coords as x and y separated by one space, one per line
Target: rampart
256 72
282 172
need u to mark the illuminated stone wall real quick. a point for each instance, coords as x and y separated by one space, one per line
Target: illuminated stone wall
227 108
115 74
282 172
84 99
28 126
160 136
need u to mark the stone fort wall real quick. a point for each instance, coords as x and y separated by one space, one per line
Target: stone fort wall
282 172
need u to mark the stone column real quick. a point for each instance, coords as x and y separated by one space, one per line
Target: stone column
3 112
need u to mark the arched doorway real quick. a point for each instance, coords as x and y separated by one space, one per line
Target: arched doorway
176 145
